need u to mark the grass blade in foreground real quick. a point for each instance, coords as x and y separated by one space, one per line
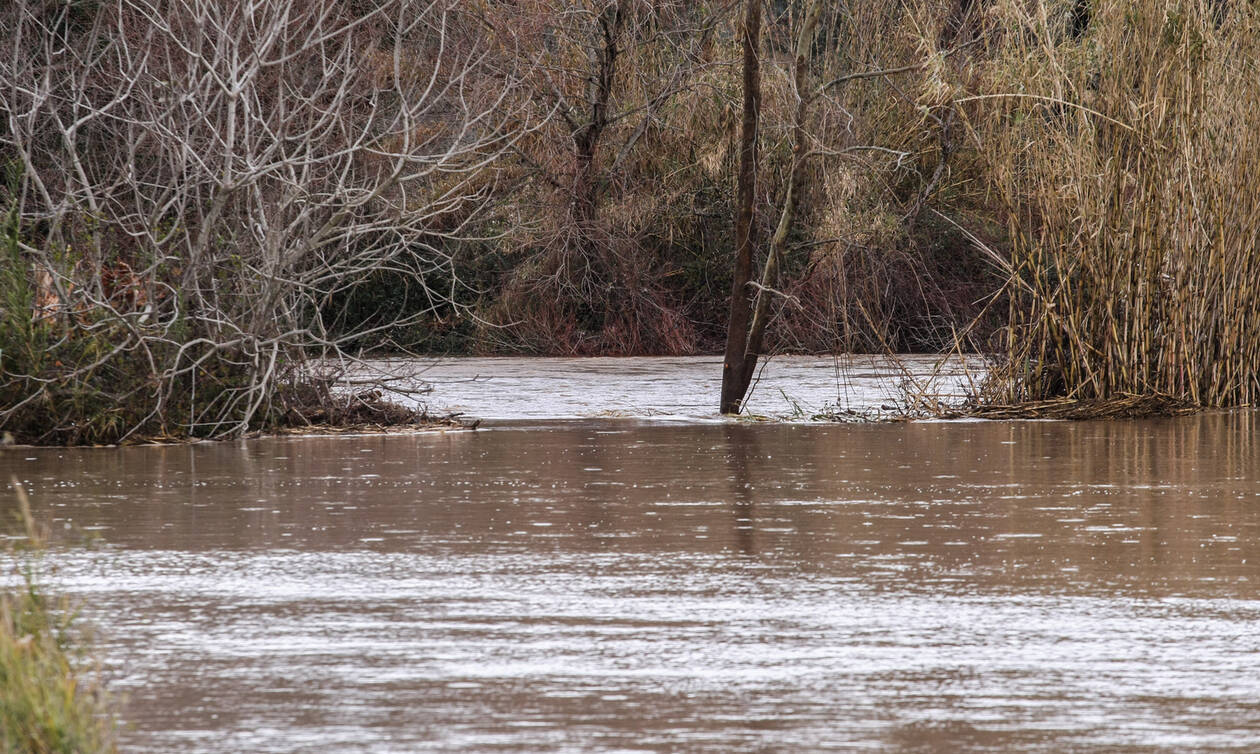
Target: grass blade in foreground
49 701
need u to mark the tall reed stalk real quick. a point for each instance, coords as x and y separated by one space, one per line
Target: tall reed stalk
1127 157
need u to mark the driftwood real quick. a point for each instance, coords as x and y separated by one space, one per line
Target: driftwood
1122 407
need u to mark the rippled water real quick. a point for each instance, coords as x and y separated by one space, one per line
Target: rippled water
630 585
680 388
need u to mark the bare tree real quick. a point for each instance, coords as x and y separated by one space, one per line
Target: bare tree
609 79
838 96
196 179
734 383
750 302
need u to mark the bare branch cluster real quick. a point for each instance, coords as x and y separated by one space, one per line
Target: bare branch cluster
614 86
191 183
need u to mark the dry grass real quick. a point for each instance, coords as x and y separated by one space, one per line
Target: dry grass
50 702
366 411
1119 407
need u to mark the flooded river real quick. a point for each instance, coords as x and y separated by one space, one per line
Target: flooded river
629 584
681 388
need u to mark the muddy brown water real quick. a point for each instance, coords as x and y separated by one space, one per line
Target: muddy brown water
613 584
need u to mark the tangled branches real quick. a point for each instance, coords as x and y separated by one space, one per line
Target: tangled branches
191 182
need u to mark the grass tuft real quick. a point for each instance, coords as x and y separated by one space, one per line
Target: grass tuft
50 701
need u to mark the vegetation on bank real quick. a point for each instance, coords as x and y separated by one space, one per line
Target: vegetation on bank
196 247
180 224
1127 171
50 702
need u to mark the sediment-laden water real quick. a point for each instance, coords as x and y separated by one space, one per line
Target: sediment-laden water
679 388
622 584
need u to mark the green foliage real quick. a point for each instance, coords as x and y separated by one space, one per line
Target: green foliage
20 341
50 703
46 704
71 373
59 380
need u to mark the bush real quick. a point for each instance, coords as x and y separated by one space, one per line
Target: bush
180 225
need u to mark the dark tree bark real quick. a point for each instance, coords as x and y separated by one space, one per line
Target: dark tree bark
740 365
603 66
733 384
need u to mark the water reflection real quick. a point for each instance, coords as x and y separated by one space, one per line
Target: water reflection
742 455
606 585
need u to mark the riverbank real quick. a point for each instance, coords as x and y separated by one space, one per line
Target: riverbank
460 393
341 413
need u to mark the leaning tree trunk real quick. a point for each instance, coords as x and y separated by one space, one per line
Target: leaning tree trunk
744 339
733 384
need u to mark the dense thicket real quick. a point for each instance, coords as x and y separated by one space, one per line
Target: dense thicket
1125 158
613 228
211 207
191 185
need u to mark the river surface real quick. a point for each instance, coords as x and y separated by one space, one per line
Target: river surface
680 388
606 584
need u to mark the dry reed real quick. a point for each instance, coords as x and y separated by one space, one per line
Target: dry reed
1127 158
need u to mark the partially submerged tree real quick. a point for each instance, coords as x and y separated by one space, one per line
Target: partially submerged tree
750 302
857 124
736 358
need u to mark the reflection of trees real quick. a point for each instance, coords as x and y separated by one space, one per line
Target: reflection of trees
937 500
741 453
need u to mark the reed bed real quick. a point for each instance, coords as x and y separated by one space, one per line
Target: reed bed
1126 155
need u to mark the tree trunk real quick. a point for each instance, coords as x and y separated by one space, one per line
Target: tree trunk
738 369
602 57
733 384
